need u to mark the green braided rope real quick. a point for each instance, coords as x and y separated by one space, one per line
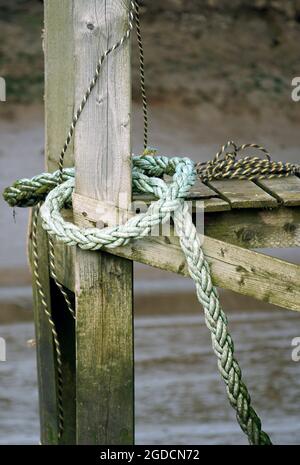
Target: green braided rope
225 165
29 192
145 174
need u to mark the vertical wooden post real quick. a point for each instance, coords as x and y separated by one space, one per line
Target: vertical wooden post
104 334
46 367
59 105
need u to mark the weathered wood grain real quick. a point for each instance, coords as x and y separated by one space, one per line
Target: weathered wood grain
59 108
59 79
46 365
103 289
213 204
91 212
286 190
256 228
105 157
104 349
240 270
46 356
235 268
243 193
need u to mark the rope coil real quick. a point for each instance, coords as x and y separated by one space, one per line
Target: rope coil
226 165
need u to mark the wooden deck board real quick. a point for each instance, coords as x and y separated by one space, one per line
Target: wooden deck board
243 194
212 204
233 193
287 190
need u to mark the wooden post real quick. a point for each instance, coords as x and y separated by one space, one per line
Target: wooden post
103 283
59 104
44 344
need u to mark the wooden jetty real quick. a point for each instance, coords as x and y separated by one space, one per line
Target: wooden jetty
97 350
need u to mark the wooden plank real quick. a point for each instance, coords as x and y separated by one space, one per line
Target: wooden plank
256 228
91 212
240 270
46 365
104 349
244 271
46 357
104 330
200 190
59 104
243 193
286 190
59 79
213 204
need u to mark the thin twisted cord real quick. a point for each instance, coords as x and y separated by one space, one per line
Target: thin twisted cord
226 165
43 299
142 72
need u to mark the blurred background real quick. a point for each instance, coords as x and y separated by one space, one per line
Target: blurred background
215 70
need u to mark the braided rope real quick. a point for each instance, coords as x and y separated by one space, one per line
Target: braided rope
171 201
29 192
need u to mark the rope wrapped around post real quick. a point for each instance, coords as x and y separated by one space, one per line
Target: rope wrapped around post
171 196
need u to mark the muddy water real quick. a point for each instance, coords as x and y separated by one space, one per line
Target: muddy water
179 396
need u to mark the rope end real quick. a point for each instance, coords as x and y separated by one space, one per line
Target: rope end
149 151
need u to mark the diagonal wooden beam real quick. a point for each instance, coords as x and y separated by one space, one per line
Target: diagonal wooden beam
244 271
